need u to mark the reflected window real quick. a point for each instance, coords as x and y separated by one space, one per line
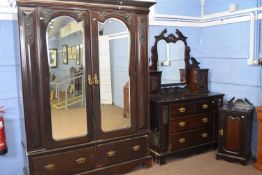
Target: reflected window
171 61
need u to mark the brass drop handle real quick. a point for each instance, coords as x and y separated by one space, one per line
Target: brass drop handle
96 81
81 160
182 140
205 120
182 109
221 132
204 106
182 124
90 81
50 167
111 153
204 135
136 148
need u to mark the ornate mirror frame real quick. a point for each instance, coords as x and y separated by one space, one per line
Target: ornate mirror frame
190 62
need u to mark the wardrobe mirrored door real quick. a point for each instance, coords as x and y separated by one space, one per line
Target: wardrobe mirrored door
114 80
67 78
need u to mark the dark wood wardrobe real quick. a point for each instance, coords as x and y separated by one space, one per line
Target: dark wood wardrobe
75 122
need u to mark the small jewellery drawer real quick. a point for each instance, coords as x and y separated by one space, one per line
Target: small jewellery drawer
191 122
120 151
66 163
205 105
192 138
181 109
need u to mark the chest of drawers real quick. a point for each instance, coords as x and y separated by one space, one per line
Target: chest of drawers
183 123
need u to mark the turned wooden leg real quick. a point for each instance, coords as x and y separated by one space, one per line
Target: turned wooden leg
258 164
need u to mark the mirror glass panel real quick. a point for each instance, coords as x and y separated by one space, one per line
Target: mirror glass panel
67 76
171 61
114 56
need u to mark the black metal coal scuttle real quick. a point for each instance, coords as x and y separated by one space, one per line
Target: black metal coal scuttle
235 131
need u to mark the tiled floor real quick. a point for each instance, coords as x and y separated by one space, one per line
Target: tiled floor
201 164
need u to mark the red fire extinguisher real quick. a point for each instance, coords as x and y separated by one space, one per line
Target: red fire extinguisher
3 146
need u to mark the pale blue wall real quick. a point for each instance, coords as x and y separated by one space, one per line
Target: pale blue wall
12 162
216 6
178 7
224 49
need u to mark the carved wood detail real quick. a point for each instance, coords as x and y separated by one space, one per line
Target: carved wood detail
171 38
142 31
104 15
29 30
47 14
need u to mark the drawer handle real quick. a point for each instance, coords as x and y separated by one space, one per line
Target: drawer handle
204 106
81 160
204 135
50 167
136 148
221 132
111 153
182 124
205 120
182 140
182 109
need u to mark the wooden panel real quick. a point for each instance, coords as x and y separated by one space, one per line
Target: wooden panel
65 163
155 82
198 80
191 122
142 72
195 137
120 151
233 135
28 47
181 109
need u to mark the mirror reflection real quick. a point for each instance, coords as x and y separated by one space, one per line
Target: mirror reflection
171 61
67 75
114 56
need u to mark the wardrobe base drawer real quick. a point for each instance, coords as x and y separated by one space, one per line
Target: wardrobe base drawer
123 150
66 163
194 137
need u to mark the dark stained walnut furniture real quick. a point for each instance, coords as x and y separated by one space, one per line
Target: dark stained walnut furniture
235 131
184 114
183 123
96 149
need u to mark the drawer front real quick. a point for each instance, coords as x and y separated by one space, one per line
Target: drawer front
195 137
181 109
205 106
123 150
65 163
191 122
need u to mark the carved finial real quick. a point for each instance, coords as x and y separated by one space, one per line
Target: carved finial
180 35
